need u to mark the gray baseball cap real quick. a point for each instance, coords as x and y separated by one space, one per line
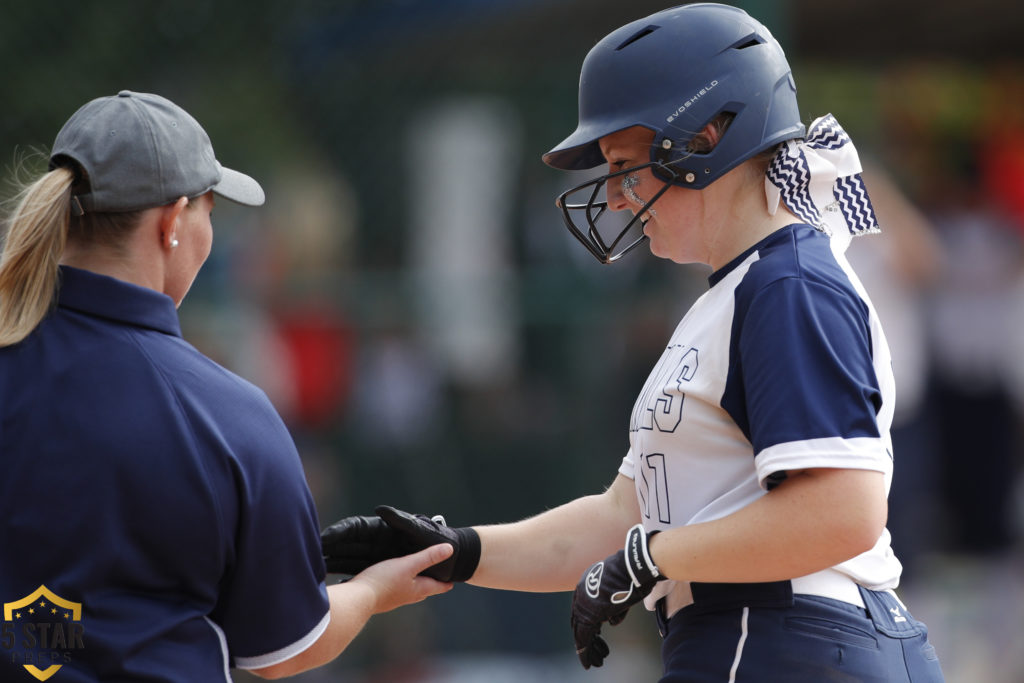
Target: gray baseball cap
140 151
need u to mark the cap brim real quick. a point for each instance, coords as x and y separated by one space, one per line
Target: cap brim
240 188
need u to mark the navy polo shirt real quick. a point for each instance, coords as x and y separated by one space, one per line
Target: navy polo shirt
155 489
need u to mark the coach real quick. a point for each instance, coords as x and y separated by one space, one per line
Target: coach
150 496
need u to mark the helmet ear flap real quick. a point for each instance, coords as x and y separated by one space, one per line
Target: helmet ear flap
669 166
684 157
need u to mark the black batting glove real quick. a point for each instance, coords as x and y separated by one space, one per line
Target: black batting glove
606 592
420 531
355 543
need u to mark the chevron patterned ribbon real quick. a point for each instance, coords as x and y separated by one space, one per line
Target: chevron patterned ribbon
819 179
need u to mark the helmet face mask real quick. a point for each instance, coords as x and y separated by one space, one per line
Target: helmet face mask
619 240
673 73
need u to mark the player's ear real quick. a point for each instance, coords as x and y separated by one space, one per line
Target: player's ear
713 134
705 141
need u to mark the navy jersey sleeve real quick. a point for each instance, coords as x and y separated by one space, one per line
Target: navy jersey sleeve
274 600
802 357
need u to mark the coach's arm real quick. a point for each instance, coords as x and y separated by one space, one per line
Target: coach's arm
380 588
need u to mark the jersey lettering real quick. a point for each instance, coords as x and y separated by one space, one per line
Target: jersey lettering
660 405
653 489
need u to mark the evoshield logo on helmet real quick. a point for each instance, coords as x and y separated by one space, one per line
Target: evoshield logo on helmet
689 103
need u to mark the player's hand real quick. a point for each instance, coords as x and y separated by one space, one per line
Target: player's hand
355 543
606 592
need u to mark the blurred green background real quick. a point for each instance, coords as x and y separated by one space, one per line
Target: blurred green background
412 304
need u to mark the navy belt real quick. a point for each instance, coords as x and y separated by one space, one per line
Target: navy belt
717 597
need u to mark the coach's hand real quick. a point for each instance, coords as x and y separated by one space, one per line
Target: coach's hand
606 592
355 543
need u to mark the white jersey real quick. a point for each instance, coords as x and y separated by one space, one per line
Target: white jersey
781 365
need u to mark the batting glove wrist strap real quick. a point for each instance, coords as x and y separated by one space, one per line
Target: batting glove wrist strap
606 592
641 567
420 531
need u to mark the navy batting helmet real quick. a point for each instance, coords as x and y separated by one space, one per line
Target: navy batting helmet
674 72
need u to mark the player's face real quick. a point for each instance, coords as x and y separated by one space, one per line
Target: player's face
195 239
670 223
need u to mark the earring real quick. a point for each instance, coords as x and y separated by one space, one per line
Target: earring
174 244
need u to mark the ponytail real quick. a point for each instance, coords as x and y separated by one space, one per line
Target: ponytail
37 233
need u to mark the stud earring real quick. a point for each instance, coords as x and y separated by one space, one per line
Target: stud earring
174 244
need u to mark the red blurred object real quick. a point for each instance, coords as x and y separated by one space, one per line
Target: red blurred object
320 348
1001 164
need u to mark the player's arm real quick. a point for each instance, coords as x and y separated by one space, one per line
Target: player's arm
544 553
380 588
814 519
549 552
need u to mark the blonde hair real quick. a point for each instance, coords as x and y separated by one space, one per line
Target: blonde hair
37 232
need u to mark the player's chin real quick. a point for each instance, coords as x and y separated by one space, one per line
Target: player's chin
655 245
662 251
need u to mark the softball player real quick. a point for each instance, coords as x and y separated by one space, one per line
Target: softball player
151 499
752 498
